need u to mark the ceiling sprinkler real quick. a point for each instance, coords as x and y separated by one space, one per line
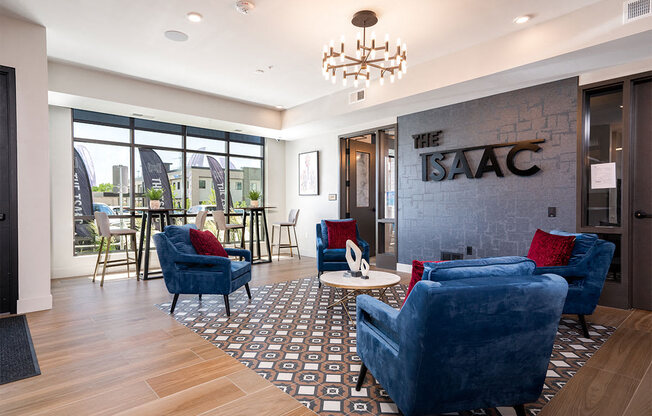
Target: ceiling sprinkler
244 7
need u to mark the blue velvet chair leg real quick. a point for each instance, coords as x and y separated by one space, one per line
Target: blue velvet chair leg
520 410
248 290
226 304
200 296
585 329
174 303
361 375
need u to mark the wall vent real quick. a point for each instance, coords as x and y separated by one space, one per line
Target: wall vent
636 9
357 96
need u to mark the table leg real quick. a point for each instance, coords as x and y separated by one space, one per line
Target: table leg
266 235
139 259
242 230
251 235
148 236
260 255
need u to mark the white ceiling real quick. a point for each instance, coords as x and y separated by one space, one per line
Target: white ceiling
224 51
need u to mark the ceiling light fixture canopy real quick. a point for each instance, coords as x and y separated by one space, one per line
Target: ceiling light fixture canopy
378 56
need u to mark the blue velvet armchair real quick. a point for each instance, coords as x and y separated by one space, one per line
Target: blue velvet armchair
462 344
586 273
334 258
187 273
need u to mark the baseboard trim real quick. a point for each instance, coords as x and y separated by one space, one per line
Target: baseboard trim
405 268
34 304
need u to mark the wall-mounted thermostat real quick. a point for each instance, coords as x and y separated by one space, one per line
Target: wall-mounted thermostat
332 197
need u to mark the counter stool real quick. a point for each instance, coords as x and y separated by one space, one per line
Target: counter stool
107 233
200 219
291 222
220 223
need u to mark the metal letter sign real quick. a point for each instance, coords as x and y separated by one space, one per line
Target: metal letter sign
433 169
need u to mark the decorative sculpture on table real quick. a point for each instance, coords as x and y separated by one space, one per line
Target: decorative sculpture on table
352 249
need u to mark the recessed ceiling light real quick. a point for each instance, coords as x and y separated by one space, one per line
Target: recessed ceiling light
280 107
176 36
194 17
260 71
522 19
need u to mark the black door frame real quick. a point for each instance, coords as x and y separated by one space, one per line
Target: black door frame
343 141
9 74
614 294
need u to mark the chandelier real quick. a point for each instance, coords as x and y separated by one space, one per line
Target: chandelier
376 56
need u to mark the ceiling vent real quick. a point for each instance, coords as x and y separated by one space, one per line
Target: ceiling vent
357 96
636 9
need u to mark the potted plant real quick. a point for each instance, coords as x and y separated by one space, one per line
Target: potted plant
154 195
254 196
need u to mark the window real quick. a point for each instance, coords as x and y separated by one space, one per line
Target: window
602 151
109 152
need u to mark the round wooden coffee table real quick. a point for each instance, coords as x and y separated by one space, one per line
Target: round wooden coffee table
376 280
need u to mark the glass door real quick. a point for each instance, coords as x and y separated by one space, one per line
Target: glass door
386 221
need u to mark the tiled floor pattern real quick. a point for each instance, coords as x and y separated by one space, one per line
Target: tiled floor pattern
288 336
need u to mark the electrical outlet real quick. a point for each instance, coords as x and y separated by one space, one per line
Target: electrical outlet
552 212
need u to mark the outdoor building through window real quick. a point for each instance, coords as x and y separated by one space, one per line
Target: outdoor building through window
116 159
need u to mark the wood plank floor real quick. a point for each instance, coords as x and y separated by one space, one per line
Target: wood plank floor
106 351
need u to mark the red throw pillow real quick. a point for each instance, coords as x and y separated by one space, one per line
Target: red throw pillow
206 244
339 232
551 250
417 275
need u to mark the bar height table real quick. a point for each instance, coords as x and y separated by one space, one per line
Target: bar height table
254 223
146 236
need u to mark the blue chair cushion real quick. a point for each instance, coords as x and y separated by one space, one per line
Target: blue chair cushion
335 254
238 268
583 243
490 266
179 236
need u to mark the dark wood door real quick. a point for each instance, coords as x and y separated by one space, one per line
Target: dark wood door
8 195
642 195
362 189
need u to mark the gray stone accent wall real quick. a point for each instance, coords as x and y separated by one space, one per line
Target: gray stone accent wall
496 216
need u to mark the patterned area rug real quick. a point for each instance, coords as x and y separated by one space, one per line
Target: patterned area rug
288 336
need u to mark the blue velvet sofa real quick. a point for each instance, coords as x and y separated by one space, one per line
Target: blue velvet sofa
187 273
333 259
462 344
586 273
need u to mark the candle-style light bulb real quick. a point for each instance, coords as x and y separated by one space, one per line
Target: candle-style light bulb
355 82
344 81
404 67
400 74
391 78
334 79
366 83
386 37
398 41
382 81
386 55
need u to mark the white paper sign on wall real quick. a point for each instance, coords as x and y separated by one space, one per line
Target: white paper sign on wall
603 175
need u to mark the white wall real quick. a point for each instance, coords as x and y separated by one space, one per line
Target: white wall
23 47
313 208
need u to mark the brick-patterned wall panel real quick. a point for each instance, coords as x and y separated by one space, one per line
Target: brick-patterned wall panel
496 216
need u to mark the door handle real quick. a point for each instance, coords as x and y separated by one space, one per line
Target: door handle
2 216
641 214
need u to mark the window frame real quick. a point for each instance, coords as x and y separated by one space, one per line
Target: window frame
103 119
